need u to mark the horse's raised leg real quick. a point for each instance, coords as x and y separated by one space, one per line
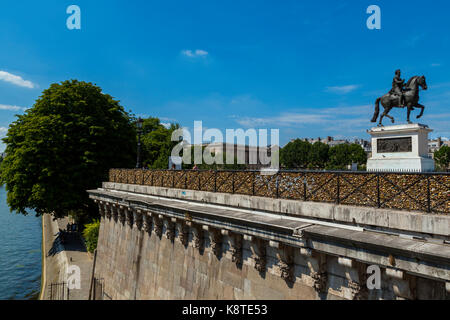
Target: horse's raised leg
409 114
421 112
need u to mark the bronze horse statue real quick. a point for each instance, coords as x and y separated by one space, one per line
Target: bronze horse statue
411 99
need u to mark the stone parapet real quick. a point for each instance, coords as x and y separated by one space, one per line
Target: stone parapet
172 249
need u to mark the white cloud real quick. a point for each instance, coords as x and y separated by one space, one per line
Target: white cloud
435 65
194 54
283 120
3 130
16 80
342 89
11 108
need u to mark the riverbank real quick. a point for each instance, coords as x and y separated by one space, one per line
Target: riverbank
57 258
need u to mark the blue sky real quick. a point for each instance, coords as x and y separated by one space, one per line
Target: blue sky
308 68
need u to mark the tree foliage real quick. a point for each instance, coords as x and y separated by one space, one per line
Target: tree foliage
442 158
157 143
319 155
343 155
90 235
295 154
63 146
302 154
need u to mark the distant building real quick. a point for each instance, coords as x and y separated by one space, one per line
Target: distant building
435 145
250 154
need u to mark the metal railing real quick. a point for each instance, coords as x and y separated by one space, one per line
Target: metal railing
98 289
59 291
426 192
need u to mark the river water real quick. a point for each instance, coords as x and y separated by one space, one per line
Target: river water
20 253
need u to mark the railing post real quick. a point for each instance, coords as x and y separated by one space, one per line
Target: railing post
277 185
152 179
232 178
215 180
173 179
305 185
254 182
338 188
428 195
185 180
199 182
378 190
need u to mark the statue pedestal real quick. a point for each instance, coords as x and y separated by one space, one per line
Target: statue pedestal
400 148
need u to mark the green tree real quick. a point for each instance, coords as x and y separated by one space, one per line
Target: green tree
63 146
343 155
295 154
442 158
90 234
157 143
319 155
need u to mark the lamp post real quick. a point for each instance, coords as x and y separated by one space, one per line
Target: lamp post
139 132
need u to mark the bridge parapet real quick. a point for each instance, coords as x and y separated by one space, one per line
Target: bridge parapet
423 192
315 249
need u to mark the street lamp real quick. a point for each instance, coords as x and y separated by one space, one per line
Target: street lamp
139 123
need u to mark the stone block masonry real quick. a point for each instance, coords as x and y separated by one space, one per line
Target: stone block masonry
155 247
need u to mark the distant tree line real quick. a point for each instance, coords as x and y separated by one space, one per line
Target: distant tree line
300 154
442 158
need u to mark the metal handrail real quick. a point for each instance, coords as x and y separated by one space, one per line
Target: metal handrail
427 192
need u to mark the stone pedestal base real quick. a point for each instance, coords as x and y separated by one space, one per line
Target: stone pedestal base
401 165
400 148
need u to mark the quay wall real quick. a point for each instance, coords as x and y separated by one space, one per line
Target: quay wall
145 255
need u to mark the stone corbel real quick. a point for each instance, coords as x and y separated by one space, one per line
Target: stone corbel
285 257
122 215
170 229
236 248
258 249
183 233
157 222
320 277
115 212
138 218
101 209
197 235
215 239
108 209
129 217
359 289
320 281
148 222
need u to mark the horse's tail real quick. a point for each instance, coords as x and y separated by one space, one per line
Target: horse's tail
377 110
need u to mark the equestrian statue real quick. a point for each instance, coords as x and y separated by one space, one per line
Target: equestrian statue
401 95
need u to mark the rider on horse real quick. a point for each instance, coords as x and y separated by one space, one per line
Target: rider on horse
397 87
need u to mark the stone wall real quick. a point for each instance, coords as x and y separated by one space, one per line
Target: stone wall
148 256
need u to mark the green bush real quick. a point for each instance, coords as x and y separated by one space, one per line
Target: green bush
90 234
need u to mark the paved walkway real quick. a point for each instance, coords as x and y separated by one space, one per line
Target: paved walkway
59 256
